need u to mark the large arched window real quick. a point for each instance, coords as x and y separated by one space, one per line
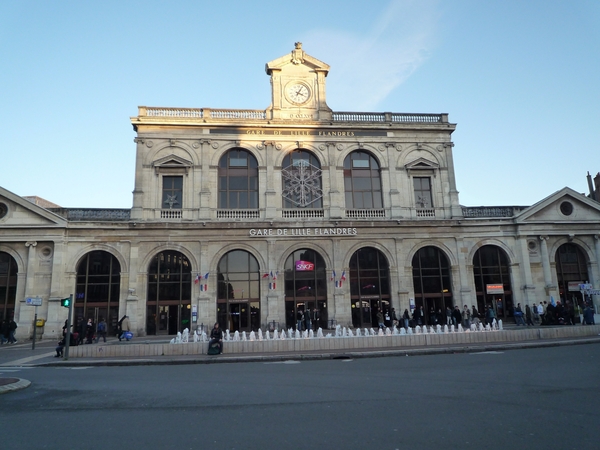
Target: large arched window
302 186
169 293
238 180
8 285
362 181
98 287
369 287
305 287
492 281
431 280
571 270
238 292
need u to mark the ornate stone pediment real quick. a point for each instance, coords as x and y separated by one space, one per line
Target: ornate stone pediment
421 164
172 163
18 212
565 205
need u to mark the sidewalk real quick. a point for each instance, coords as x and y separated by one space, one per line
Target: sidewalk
22 355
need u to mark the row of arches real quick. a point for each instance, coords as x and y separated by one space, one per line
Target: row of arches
170 286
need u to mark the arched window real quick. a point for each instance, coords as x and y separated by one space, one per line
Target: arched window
169 293
431 280
362 181
305 288
238 180
571 267
369 287
8 285
98 287
238 292
492 281
302 186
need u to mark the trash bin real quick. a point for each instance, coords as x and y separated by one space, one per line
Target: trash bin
40 322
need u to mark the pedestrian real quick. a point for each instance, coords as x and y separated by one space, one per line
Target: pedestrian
448 316
466 318
536 314
456 316
307 324
89 332
490 316
540 309
101 332
299 320
316 317
125 325
418 315
528 317
380 319
3 331
12 327
216 338
474 315
406 318
588 315
394 318
518 313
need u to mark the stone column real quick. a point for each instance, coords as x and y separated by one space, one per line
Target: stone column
271 188
205 181
546 265
30 281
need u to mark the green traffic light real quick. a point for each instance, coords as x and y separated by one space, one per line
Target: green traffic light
65 302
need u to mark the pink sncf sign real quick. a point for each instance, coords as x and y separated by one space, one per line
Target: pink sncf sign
304 265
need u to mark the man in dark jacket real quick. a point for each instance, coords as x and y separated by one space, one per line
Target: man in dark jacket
216 338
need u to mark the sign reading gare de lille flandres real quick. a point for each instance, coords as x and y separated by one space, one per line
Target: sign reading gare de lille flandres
302 232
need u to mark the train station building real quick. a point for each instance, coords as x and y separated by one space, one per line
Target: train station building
247 217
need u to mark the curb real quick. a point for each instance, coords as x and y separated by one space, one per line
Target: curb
21 383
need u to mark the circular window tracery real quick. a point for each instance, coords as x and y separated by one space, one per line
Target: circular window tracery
3 210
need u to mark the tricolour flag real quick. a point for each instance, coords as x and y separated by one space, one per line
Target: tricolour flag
333 276
204 286
266 275
342 278
197 279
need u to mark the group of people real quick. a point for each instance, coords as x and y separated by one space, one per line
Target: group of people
91 332
7 331
308 320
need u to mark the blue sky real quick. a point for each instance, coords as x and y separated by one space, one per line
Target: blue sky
520 79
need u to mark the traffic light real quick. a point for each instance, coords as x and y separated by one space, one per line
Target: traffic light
66 302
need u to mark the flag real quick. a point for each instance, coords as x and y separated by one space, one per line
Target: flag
266 275
274 276
333 275
197 279
342 278
552 301
273 284
204 287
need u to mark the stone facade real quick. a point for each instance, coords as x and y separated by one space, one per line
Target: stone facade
309 164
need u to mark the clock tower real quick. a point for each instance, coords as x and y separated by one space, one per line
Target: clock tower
298 87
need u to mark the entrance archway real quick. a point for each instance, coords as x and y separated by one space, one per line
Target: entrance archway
432 284
8 285
369 287
490 267
305 289
571 270
98 287
169 293
238 292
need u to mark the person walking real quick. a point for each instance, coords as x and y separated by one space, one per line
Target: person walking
101 332
380 319
307 323
89 332
536 314
299 320
456 316
518 313
528 317
12 327
474 315
490 316
406 318
125 328
316 317
466 318
3 332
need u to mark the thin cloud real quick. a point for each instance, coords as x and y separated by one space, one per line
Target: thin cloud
366 67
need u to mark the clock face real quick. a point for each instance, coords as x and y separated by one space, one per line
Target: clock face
297 93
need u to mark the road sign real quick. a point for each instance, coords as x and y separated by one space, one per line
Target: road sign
34 301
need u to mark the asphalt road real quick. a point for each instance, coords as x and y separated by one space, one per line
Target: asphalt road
544 398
